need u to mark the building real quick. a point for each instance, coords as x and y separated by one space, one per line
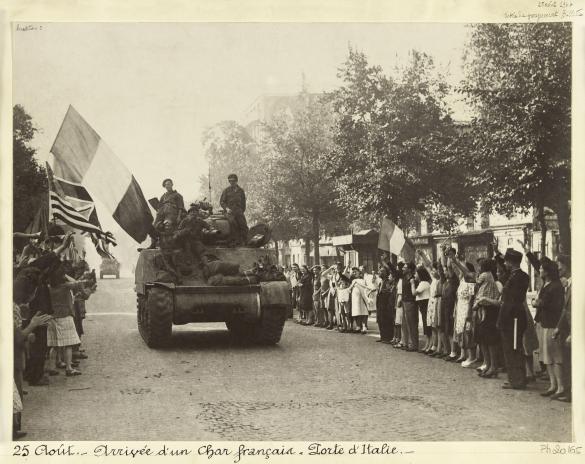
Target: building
266 108
293 251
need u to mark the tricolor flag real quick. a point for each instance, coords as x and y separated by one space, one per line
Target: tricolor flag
392 239
77 213
82 158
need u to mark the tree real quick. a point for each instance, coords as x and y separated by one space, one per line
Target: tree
30 180
518 78
395 137
298 181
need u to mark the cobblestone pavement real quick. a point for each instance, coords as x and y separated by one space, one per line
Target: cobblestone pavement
314 385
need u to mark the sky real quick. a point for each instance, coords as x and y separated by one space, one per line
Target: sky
150 89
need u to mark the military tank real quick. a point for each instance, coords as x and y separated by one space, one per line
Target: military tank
253 304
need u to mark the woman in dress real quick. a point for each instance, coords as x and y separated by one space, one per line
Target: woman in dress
487 295
436 343
61 333
549 306
463 310
306 294
386 306
422 294
359 302
448 300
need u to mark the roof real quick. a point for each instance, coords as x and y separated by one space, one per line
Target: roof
361 237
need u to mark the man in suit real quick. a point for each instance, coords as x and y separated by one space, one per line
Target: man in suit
512 320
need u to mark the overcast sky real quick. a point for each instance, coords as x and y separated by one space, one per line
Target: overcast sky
150 89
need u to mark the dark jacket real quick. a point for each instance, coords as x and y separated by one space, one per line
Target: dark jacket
407 294
233 198
386 300
513 299
564 324
306 296
552 299
172 198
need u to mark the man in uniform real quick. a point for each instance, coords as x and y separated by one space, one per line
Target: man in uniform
233 201
512 320
171 206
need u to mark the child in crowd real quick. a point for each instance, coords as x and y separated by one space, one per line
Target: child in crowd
62 334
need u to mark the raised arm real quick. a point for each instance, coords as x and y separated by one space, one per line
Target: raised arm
66 242
426 261
25 235
531 257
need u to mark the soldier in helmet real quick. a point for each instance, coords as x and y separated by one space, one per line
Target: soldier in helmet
233 201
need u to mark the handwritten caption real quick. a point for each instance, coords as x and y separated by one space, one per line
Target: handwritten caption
28 27
237 453
557 448
549 9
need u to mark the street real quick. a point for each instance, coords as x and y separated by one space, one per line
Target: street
314 385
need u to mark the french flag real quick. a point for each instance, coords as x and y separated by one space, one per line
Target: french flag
392 239
82 157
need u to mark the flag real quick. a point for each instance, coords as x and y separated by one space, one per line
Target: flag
392 239
67 195
82 158
101 246
82 218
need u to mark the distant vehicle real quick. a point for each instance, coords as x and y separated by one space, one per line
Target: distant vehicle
110 267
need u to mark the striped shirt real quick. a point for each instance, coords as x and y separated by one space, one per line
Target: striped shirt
486 287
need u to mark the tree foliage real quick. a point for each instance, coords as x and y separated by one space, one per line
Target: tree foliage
395 141
29 179
229 149
518 78
299 179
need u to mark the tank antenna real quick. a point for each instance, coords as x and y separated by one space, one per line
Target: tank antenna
209 182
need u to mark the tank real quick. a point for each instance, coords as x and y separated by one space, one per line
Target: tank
254 312
109 267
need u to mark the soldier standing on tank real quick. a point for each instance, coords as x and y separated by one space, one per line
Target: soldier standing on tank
171 206
233 201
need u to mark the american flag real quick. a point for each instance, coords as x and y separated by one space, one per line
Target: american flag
72 205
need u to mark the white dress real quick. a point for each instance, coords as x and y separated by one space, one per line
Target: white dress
359 298
465 292
432 308
372 283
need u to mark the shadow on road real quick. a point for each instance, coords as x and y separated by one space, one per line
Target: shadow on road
213 340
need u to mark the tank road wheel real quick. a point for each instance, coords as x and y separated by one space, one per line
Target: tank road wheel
269 329
241 330
140 307
155 317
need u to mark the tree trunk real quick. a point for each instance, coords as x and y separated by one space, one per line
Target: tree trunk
564 218
307 241
276 249
316 229
543 230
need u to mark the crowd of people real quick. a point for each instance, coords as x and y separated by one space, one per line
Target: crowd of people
49 294
479 318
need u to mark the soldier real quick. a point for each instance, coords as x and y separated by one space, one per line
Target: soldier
233 201
171 206
191 230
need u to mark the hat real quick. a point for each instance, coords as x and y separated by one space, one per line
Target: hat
165 181
513 256
233 176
